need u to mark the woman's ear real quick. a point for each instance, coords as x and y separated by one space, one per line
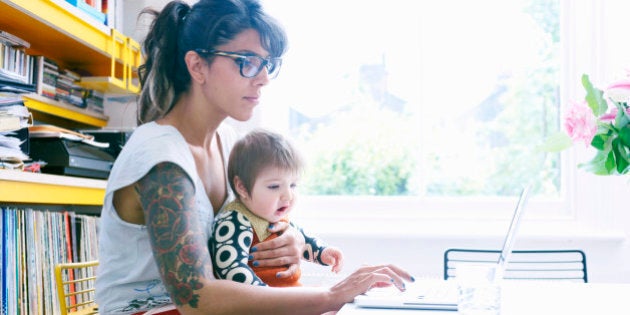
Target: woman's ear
241 190
195 65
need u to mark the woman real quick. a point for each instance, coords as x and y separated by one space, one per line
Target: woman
203 64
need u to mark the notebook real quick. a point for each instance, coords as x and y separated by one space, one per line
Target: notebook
439 295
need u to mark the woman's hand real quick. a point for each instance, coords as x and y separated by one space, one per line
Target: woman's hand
368 277
284 250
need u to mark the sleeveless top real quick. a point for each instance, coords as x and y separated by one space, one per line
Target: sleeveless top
128 280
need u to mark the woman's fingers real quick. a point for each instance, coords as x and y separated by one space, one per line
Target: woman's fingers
369 277
282 250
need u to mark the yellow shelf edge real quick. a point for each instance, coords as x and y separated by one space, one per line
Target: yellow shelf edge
53 13
21 187
47 194
105 84
38 103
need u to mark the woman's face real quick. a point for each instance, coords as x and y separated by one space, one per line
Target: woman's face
230 93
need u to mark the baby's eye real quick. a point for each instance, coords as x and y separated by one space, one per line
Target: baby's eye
273 187
294 185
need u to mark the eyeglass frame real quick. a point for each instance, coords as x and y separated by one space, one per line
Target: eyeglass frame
240 58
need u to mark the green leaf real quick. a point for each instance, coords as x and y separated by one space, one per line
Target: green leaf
598 165
556 142
624 135
610 162
599 141
621 156
622 118
594 97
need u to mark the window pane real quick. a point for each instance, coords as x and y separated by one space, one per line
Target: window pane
419 98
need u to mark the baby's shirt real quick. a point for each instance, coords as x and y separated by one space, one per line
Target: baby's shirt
236 231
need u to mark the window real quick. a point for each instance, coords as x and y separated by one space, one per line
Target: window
433 105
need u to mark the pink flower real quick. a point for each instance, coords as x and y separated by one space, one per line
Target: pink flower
580 123
619 91
610 116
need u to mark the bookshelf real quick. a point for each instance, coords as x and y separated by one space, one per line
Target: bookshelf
75 40
47 219
65 34
61 32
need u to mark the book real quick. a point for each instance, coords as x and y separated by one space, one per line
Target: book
14 40
15 64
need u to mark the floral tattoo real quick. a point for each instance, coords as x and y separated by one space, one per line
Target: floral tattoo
167 197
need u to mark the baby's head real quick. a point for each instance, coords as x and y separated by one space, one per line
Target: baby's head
258 150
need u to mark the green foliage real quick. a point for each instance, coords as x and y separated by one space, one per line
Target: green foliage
594 97
371 155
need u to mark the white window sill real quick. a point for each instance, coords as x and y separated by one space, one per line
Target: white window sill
455 229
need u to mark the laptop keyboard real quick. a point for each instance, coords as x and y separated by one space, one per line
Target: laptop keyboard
434 291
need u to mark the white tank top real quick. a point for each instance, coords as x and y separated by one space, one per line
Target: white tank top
128 280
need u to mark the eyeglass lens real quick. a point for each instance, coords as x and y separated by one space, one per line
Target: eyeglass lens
252 65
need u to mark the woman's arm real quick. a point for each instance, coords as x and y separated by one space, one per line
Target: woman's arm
180 250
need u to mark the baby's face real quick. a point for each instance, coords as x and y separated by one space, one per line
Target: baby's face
273 195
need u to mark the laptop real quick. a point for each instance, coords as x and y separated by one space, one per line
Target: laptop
439 295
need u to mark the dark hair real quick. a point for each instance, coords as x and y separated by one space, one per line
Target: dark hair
258 150
179 28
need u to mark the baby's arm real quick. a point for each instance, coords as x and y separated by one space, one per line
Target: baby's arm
229 248
318 252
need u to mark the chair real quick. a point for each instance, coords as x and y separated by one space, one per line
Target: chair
552 265
75 287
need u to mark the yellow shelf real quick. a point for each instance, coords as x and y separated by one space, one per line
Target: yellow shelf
63 33
34 188
104 84
51 107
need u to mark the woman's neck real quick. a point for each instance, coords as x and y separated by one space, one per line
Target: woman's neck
196 124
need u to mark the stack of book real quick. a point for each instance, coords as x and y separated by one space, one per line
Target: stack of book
16 67
14 139
33 242
67 90
94 101
47 74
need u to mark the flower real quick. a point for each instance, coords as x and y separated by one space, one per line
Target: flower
606 130
580 123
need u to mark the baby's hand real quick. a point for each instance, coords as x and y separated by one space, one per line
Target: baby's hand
332 256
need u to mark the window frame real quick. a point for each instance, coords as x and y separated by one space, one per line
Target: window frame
580 193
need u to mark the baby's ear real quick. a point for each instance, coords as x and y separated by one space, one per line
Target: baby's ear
241 191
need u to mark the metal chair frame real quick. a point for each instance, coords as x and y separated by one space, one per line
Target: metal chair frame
553 265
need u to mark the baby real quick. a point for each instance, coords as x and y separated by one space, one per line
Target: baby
263 171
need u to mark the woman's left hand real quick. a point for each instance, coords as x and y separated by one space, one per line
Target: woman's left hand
284 250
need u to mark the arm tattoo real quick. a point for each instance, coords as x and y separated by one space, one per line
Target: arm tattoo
178 240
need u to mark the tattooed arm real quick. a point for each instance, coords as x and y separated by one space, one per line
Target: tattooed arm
179 246
177 237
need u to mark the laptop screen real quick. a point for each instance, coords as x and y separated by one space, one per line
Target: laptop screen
508 244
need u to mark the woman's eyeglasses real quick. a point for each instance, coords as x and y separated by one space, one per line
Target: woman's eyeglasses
250 65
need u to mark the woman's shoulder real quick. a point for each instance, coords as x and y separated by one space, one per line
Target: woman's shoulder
154 130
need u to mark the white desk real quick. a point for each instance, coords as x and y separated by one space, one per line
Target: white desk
541 298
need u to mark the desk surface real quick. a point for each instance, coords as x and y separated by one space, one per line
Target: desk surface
541 298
